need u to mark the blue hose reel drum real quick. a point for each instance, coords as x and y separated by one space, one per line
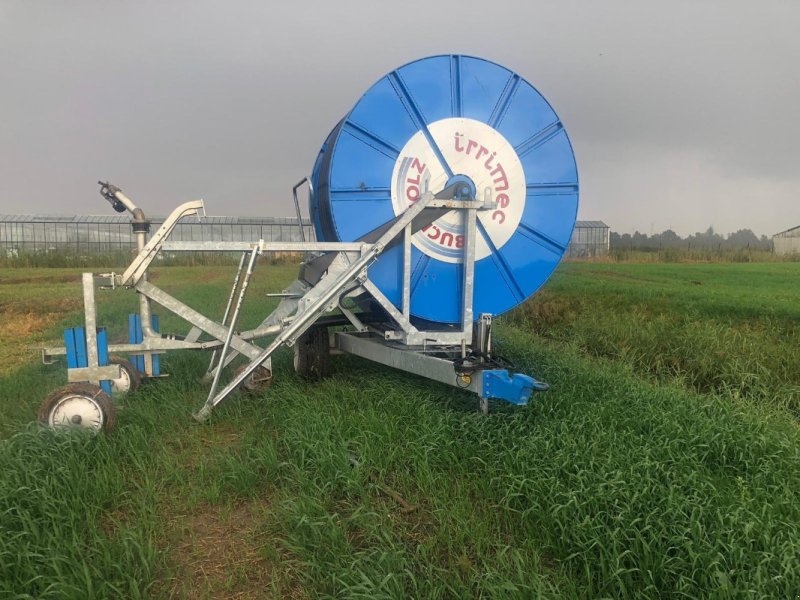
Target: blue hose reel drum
431 123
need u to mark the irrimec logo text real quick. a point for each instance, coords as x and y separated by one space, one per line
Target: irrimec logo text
481 153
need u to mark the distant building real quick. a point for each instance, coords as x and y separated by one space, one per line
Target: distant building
787 242
21 234
589 239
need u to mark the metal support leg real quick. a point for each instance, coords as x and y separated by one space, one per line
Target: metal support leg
236 279
90 321
468 285
92 372
406 306
234 318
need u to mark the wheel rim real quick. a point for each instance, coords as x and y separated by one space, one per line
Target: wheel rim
122 384
77 411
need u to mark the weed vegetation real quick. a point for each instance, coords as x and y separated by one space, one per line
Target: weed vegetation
731 329
696 255
645 472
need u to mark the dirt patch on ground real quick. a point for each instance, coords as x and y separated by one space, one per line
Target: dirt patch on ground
18 331
44 278
207 276
24 325
218 553
219 550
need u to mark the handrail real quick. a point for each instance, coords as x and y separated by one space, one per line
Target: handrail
297 203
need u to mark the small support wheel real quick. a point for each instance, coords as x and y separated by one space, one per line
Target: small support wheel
130 379
78 405
259 380
312 354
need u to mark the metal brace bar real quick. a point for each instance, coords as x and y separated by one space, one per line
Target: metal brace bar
93 374
228 308
375 349
142 261
199 246
195 318
234 319
90 321
351 316
387 305
470 231
407 272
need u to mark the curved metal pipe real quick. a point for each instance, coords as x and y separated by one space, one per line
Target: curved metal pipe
144 302
139 218
297 203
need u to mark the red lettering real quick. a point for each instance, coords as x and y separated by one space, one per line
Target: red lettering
412 197
502 177
499 213
420 167
502 200
438 231
470 145
459 147
447 240
459 241
483 151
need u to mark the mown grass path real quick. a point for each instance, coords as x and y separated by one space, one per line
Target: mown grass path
622 481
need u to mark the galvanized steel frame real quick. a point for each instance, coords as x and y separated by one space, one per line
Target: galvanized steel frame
402 345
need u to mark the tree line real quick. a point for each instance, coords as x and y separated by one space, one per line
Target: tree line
706 240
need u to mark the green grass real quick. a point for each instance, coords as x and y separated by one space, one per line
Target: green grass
622 481
720 328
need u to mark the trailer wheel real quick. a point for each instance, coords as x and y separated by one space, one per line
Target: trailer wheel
312 354
129 379
78 405
260 379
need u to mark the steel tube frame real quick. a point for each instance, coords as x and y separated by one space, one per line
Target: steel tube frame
407 359
347 274
92 372
329 292
234 319
227 310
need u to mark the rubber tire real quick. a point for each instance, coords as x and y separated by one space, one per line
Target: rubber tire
260 380
87 390
133 374
312 354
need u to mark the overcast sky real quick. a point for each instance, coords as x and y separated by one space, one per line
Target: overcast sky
682 114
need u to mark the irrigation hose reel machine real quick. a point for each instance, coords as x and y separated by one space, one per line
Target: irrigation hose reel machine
445 197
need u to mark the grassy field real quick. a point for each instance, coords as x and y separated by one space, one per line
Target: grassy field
663 463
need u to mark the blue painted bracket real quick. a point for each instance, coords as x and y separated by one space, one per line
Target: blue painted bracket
135 337
516 388
77 358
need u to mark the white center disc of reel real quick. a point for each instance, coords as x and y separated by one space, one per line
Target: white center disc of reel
477 151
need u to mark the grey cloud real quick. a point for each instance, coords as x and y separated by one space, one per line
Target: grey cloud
681 113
